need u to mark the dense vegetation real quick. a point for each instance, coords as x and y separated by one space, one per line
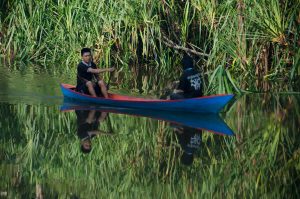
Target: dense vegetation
238 44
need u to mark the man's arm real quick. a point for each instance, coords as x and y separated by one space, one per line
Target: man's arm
182 85
98 132
178 91
97 71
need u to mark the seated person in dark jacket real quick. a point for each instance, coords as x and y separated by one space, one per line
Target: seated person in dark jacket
190 84
88 81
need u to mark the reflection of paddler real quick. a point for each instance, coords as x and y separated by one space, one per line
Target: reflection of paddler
88 122
190 141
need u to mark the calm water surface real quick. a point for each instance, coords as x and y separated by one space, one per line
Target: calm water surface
53 149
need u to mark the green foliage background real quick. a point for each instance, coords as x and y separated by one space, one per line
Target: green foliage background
240 44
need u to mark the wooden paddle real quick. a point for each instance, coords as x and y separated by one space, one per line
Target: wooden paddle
107 86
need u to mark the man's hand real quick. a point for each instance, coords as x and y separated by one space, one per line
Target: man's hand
111 69
177 91
97 71
93 70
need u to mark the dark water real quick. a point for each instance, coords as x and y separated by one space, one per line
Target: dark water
53 149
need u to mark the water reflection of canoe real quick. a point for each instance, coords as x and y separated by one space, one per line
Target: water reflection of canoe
207 104
209 121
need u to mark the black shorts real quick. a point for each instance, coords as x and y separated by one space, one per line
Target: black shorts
176 96
84 89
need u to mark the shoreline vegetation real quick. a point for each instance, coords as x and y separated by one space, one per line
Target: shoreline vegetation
238 45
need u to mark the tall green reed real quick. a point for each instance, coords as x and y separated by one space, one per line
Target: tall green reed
129 34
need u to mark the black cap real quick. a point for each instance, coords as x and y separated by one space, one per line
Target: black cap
187 62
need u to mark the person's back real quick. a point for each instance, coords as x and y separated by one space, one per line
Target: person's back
190 84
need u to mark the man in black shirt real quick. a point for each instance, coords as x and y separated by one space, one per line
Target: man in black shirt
190 84
88 73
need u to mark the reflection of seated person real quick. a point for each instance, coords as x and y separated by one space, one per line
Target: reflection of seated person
88 123
190 141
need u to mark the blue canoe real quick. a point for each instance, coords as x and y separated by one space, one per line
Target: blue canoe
207 104
204 121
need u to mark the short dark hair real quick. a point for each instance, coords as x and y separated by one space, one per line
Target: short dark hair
84 150
85 50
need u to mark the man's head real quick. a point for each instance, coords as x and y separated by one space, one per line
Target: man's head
86 146
86 55
187 62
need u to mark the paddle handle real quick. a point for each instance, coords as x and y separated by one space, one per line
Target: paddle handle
109 80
